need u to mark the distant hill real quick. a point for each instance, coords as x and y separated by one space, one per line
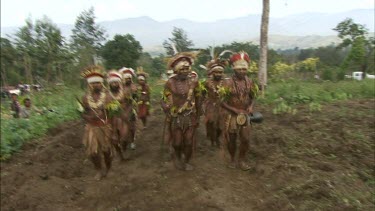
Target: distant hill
300 30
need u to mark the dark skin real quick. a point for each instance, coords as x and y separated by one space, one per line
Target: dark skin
179 86
145 97
212 106
120 124
93 115
130 91
239 102
15 105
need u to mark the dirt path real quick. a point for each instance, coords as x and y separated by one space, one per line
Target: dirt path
300 162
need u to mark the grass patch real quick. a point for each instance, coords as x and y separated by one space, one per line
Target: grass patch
60 106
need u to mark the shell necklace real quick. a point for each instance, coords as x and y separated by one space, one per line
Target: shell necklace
98 103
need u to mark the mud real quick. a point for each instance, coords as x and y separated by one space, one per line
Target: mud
322 160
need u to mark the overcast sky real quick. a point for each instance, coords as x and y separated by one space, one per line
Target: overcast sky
15 12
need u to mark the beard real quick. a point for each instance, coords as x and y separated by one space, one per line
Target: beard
97 90
240 75
218 77
114 89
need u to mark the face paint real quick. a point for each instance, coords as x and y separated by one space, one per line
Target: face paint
114 86
240 72
183 67
96 87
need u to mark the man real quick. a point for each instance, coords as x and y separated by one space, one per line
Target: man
144 96
130 90
215 69
238 100
119 120
181 103
15 105
98 129
28 110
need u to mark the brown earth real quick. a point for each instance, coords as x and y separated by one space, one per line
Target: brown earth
308 161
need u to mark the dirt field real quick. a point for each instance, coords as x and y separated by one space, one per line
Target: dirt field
319 161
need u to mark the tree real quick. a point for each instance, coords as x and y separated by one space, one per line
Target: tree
25 46
158 65
123 50
8 56
330 55
349 31
355 35
179 40
357 55
262 74
49 45
280 68
307 66
87 38
145 61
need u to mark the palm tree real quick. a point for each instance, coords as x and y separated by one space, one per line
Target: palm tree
262 74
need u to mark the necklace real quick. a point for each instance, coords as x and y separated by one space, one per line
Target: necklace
241 93
118 96
217 87
98 103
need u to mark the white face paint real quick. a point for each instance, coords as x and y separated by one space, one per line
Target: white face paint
183 67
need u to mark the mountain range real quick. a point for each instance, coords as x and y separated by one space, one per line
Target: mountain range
302 30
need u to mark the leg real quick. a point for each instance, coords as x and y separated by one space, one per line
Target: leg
188 147
117 146
97 161
244 148
232 149
124 136
177 145
132 135
144 122
218 133
210 132
107 161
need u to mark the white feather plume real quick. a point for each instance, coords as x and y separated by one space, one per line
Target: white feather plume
202 66
174 48
224 52
212 52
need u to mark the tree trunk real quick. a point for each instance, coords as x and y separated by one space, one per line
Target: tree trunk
3 75
27 66
262 74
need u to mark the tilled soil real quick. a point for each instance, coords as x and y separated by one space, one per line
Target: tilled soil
322 160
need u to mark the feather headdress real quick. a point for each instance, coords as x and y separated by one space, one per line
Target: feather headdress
216 60
141 72
240 60
190 56
94 73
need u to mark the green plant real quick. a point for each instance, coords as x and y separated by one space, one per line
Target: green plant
282 108
313 107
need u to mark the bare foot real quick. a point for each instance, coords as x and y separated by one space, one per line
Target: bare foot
244 166
232 165
178 164
98 176
189 167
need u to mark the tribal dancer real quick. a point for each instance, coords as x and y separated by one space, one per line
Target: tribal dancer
180 101
238 96
120 124
144 96
98 129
